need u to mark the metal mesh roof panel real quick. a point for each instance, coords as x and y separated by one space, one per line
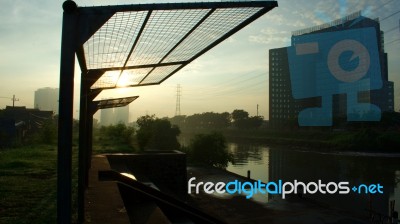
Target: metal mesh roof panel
146 44
111 103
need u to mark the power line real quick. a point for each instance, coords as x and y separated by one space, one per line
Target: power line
221 84
232 92
389 16
13 99
232 89
218 89
384 4
391 42
390 30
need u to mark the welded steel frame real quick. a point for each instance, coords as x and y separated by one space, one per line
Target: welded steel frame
108 11
79 24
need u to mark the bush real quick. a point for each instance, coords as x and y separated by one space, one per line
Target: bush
210 149
389 142
119 133
46 134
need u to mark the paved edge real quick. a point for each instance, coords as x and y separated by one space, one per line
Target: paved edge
103 202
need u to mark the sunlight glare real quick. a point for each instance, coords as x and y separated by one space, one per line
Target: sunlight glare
123 80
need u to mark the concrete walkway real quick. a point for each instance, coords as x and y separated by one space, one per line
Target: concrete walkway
103 202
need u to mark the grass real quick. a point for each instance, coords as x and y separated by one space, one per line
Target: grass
106 144
28 178
109 146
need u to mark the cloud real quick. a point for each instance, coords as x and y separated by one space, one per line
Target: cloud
298 24
277 19
270 35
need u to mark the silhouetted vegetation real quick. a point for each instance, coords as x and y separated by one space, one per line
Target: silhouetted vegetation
367 140
114 138
242 120
218 121
45 134
156 133
209 149
208 120
383 136
119 133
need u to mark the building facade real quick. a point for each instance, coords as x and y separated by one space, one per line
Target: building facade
112 116
284 108
121 115
46 99
107 117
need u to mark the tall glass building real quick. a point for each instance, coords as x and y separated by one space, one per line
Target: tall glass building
284 106
46 99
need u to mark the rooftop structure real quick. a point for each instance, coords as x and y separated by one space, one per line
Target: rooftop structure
354 17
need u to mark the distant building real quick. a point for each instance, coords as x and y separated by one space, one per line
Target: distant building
46 99
121 115
284 109
114 116
107 117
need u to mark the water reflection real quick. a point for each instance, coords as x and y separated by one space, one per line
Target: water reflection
245 153
272 164
253 157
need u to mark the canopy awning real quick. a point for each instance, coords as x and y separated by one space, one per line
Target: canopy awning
136 45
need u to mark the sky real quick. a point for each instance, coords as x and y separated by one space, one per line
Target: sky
233 75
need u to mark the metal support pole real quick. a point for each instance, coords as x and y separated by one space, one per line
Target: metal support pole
90 139
85 141
90 112
65 119
83 147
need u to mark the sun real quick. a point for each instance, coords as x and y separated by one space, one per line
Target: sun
123 80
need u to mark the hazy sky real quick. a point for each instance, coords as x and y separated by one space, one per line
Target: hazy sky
233 75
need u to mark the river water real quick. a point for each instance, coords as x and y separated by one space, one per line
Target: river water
271 164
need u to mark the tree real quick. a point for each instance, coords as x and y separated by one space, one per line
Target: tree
255 122
210 149
208 120
242 120
164 135
239 115
155 133
119 133
144 133
48 132
178 120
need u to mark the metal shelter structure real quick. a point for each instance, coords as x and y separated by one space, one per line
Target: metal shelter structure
86 135
111 103
128 46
